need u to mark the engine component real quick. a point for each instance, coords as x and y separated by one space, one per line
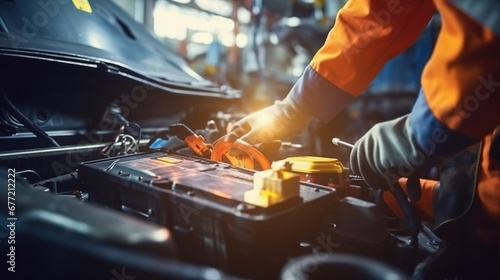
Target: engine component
194 141
362 222
249 154
321 170
338 142
274 186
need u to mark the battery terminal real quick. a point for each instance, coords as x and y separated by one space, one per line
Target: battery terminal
274 185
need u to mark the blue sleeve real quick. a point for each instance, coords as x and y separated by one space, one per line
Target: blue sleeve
433 136
318 97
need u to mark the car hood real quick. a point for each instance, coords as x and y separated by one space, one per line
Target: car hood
65 64
101 32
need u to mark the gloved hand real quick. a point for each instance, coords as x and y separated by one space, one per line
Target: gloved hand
388 152
281 120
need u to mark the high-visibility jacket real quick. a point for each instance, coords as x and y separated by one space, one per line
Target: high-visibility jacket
459 104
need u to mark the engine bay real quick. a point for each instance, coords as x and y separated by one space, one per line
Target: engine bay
166 203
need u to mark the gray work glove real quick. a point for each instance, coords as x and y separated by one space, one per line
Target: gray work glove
388 152
279 121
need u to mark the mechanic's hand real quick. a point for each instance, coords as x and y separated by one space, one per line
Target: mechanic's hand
281 120
388 152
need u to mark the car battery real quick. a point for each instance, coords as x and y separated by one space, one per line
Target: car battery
203 203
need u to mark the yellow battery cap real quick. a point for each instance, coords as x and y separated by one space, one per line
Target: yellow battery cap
314 164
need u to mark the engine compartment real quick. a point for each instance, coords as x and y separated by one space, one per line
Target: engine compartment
193 211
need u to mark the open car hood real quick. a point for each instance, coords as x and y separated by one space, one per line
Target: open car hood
63 65
100 32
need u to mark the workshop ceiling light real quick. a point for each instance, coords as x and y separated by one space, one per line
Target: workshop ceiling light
227 39
182 1
241 40
216 6
244 15
174 22
292 21
273 38
202 38
221 23
170 23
